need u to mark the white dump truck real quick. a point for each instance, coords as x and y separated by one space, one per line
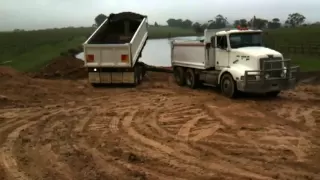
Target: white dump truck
112 52
234 60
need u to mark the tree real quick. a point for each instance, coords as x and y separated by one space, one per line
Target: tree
100 19
240 22
179 23
156 24
257 23
218 22
274 24
197 27
295 19
186 24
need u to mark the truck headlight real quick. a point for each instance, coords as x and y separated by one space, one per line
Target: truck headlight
283 75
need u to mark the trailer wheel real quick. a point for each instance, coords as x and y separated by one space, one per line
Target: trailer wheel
179 76
137 75
191 79
140 73
228 86
273 94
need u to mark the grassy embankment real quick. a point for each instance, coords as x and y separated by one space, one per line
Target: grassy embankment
30 50
302 45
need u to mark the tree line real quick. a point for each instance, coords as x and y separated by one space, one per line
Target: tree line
293 20
220 21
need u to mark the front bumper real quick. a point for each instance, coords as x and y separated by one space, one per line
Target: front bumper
264 85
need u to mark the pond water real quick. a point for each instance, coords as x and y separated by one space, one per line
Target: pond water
156 51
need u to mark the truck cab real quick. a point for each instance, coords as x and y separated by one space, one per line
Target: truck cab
235 60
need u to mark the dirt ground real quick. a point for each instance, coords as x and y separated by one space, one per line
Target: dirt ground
67 130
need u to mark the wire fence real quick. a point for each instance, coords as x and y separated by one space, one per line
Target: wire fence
310 49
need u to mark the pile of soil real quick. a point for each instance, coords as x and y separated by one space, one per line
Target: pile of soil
65 67
20 90
6 72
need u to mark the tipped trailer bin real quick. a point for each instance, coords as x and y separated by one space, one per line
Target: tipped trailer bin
112 52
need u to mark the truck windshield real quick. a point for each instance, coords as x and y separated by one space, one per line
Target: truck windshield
238 40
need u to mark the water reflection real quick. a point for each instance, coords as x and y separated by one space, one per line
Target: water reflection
156 51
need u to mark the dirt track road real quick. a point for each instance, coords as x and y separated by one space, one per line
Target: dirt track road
66 130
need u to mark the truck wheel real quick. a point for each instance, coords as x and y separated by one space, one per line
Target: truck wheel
140 74
191 78
228 86
273 93
137 75
179 76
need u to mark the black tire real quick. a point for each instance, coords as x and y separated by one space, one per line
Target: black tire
95 85
228 86
273 94
137 73
179 76
140 74
191 79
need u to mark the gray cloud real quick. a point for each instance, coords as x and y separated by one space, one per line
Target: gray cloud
39 14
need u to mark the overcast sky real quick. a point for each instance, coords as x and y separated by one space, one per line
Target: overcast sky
40 14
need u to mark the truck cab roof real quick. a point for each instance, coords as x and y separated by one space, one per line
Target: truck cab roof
236 31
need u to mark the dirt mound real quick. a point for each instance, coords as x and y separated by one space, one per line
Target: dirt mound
6 71
66 67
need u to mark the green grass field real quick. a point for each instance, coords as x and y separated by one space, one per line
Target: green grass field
31 50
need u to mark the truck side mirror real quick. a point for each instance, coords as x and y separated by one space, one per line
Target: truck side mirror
213 42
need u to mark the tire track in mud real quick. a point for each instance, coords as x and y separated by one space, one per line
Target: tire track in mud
225 122
9 133
156 136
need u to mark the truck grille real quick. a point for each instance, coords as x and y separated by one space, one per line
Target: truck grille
272 65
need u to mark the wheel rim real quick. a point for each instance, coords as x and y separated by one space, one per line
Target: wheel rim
227 87
188 79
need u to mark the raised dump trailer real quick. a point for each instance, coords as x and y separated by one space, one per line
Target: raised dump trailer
112 52
234 60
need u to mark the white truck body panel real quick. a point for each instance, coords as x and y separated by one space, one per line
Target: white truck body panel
139 39
109 55
188 54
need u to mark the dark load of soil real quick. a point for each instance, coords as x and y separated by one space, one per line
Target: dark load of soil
119 28
65 67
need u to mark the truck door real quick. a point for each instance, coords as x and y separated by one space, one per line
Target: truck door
222 55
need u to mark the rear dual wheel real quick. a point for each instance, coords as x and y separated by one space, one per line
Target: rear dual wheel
191 79
186 77
137 75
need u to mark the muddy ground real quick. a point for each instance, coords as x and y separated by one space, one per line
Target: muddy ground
67 130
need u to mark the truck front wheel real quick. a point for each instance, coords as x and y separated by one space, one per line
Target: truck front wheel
179 76
191 78
228 86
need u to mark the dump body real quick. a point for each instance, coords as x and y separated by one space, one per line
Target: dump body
113 50
188 54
